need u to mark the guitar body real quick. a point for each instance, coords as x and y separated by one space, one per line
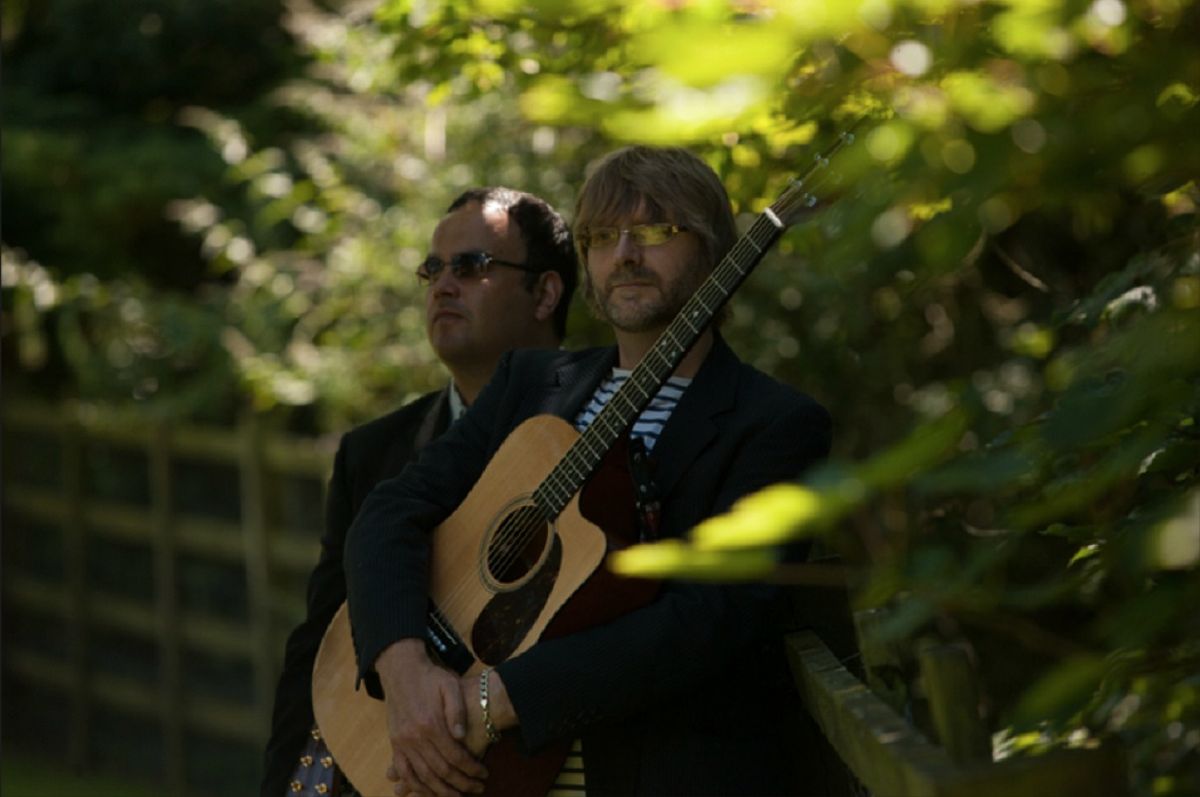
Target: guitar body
497 580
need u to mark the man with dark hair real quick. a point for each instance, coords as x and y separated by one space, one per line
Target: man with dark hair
682 695
500 275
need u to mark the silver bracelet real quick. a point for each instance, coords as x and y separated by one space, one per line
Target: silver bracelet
489 727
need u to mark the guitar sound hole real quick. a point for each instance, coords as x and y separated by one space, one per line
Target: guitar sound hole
517 544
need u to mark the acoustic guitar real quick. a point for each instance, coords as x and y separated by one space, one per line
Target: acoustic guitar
518 554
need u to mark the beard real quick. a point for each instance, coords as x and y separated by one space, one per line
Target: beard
655 305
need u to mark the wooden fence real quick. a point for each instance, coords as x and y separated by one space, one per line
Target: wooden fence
64 529
953 757
56 508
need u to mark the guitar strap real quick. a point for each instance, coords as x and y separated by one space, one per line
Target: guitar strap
645 490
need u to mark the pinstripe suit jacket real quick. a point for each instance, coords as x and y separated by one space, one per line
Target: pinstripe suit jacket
366 455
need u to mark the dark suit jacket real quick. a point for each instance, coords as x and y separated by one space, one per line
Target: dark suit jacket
366 455
684 696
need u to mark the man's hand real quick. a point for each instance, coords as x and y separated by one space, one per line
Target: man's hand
427 724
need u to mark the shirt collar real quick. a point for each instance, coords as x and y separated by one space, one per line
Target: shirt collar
457 407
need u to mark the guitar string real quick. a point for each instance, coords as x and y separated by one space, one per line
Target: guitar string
513 539
559 487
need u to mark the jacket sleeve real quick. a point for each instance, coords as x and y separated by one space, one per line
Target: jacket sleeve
680 641
387 549
292 716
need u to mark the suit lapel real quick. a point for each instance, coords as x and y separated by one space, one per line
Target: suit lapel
435 420
694 423
415 434
574 382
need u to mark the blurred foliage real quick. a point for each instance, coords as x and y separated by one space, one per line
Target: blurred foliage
105 297
999 297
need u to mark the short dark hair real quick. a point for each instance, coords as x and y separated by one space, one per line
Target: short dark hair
549 245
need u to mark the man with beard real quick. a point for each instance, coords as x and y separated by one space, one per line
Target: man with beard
500 275
682 695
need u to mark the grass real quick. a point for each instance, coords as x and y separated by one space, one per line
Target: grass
24 776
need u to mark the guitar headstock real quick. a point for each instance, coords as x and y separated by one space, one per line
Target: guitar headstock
806 193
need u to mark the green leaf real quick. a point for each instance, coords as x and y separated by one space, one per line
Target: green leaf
1061 693
701 54
985 472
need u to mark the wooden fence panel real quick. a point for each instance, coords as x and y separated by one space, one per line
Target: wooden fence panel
254 536
269 554
167 604
75 571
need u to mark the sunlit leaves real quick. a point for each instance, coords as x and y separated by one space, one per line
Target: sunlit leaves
1175 544
890 142
785 512
988 101
1034 30
683 114
677 560
768 517
817 19
702 54
1032 340
1177 96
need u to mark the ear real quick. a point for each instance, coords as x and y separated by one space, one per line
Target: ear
547 294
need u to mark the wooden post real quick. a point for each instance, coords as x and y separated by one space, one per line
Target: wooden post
953 692
883 662
75 574
166 615
891 757
254 538
883 751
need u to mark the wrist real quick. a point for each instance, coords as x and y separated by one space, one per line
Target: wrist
486 705
500 706
400 656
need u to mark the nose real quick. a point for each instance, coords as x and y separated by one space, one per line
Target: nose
627 250
444 284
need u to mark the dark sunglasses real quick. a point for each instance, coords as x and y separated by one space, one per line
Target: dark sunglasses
464 266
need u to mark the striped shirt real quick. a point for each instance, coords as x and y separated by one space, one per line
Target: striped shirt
570 777
648 426
650 423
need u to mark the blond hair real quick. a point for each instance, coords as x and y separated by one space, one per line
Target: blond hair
669 183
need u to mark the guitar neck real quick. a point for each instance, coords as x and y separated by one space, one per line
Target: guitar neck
657 366
668 351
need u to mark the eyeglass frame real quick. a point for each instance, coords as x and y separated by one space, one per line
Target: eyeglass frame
674 229
456 264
